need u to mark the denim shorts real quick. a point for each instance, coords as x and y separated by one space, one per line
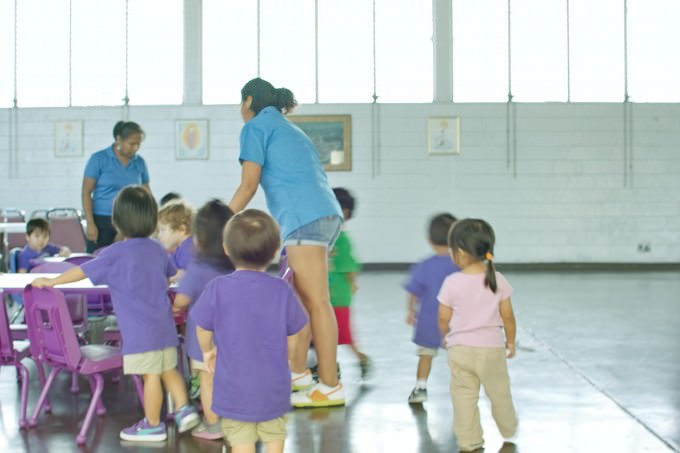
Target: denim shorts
322 232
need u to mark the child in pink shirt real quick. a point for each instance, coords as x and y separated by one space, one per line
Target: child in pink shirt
474 312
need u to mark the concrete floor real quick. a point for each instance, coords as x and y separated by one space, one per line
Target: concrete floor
598 370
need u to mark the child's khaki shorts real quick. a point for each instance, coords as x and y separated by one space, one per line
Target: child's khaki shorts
150 362
237 433
423 351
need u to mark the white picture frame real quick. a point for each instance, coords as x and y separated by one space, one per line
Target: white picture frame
191 139
443 135
68 138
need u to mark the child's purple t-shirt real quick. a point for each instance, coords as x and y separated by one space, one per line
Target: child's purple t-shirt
183 254
136 271
476 319
251 315
28 254
197 276
424 281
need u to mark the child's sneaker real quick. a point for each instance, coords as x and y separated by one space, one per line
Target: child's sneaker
314 397
417 396
301 381
186 418
208 431
365 365
195 387
142 431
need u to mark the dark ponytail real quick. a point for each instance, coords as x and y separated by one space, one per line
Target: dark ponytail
476 237
124 129
264 95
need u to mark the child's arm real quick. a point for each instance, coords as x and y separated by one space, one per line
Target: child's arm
411 310
205 340
181 302
508 317
72 275
445 314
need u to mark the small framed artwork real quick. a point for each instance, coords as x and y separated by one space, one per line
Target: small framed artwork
191 139
68 138
332 137
443 135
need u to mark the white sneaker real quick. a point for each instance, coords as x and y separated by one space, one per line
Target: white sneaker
314 397
301 381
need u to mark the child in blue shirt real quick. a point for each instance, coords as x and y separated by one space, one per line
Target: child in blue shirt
37 245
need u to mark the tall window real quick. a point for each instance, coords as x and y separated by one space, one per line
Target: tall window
653 38
43 53
480 50
155 51
597 53
6 54
229 49
404 51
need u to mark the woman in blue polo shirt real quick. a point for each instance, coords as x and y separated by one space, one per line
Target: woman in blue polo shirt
277 155
106 173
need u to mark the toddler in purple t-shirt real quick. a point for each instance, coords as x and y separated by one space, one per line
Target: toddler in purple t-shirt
423 283
210 262
243 323
174 232
136 271
37 245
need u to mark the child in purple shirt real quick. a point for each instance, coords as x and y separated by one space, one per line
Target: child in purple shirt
423 285
136 271
244 320
174 232
210 262
37 245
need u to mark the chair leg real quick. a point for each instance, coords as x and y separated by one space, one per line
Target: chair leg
101 410
75 388
41 379
96 395
43 396
24 395
139 386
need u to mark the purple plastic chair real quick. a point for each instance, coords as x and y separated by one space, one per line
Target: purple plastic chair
12 352
54 342
67 228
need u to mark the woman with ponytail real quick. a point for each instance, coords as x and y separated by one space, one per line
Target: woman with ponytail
106 173
474 312
277 155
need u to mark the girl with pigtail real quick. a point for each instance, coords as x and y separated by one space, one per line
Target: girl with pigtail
475 312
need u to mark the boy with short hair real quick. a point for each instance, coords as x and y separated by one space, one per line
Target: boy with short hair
37 245
174 232
243 322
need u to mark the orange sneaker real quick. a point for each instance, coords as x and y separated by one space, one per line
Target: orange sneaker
314 397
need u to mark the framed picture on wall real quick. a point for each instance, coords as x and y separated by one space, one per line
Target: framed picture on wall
191 139
443 135
332 136
68 138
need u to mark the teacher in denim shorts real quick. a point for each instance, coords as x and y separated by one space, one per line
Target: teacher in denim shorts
277 155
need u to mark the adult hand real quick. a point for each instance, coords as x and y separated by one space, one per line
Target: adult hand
92 232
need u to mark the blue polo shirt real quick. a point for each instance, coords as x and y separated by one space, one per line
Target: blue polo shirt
111 176
294 182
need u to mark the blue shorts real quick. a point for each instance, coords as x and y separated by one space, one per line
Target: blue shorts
322 232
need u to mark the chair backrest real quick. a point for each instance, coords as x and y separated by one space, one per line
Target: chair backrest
6 347
12 215
75 302
13 258
66 228
50 331
285 272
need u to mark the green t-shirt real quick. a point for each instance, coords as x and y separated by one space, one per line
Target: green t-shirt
342 263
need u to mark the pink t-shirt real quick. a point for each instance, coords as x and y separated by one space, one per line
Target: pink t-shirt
476 319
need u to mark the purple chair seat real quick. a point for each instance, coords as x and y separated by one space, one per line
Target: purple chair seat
99 358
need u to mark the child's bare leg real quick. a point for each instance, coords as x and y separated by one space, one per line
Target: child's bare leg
207 396
275 446
153 398
424 367
360 355
244 448
298 347
174 383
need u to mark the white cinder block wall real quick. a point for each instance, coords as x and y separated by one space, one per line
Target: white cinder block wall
566 203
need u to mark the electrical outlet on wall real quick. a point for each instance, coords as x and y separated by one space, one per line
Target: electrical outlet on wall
644 247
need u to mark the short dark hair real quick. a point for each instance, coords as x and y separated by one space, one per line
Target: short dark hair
476 237
124 129
264 95
252 238
41 225
135 212
168 197
440 225
209 224
346 200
